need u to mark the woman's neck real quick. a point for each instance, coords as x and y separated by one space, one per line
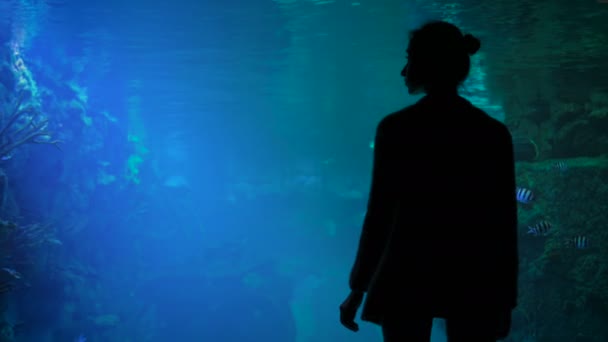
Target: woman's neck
442 92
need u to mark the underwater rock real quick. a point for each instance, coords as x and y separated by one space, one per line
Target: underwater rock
6 332
524 148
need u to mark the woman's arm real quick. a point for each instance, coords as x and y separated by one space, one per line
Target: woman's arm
380 210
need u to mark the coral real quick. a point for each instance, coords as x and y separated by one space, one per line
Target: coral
565 128
597 107
558 282
133 168
23 125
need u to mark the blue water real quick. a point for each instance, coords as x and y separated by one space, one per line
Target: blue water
206 187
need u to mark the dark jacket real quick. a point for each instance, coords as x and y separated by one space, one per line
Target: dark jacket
440 233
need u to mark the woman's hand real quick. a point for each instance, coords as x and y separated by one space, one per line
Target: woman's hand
348 310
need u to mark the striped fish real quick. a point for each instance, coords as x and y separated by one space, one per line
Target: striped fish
578 242
524 195
560 166
542 228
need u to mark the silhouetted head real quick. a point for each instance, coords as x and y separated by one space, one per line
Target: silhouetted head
438 58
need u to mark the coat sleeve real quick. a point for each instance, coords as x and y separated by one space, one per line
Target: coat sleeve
379 216
507 204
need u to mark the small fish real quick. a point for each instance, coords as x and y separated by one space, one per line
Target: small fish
541 228
54 241
524 195
80 338
578 242
560 166
6 157
12 272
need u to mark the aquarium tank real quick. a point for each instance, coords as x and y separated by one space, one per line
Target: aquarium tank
198 170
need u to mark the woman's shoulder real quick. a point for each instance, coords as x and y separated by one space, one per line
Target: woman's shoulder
401 115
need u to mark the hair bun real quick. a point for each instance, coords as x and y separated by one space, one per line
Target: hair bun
471 44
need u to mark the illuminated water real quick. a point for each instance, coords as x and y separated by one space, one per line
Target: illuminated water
218 157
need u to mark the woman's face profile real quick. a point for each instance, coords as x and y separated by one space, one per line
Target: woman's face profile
409 74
